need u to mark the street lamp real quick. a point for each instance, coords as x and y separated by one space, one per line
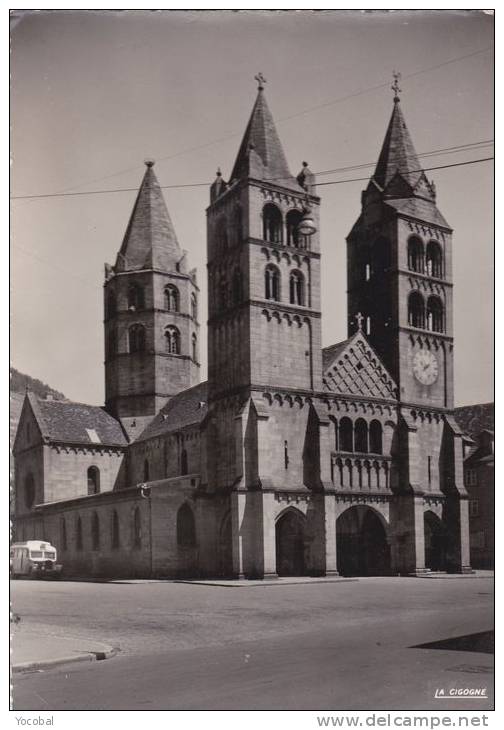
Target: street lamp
306 226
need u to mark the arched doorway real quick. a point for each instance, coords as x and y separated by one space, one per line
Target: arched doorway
290 543
362 545
436 542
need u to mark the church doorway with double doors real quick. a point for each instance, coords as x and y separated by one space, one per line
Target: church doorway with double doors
436 539
362 543
290 532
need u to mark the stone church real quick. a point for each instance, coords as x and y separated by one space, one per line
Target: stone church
292 459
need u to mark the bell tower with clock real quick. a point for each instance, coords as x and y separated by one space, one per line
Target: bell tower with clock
399 259
400 272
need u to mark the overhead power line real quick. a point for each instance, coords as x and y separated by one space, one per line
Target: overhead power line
206 184
425 169
303 112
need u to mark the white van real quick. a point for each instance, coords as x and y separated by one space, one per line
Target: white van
35 559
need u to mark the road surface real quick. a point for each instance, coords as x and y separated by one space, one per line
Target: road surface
326 646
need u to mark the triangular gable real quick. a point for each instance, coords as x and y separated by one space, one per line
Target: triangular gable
356 369
30 413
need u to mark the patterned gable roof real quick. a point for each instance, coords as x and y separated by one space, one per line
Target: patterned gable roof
66 421
185 409
352 367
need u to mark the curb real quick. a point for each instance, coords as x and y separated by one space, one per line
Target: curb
90 656
263 583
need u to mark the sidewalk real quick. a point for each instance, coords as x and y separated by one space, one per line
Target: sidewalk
31 651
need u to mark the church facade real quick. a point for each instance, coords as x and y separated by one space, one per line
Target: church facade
292 459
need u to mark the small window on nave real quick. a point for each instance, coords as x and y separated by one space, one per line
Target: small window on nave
93 480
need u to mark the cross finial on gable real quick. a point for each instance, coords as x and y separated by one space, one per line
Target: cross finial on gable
260 80
395 86
360 318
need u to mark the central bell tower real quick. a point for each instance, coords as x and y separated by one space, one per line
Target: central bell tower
264 339
263 275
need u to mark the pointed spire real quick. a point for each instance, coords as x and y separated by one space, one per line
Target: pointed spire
398 155
261 154
150 241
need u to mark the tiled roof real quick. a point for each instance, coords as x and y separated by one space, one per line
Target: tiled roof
150 240
419 208
78 423
398 154
476 418
261 153
185 409
331 353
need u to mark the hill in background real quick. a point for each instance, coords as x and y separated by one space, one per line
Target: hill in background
19 384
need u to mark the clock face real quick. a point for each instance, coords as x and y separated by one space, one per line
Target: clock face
425 367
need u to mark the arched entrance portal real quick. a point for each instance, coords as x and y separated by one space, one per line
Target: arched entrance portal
436 542
290 543
362 546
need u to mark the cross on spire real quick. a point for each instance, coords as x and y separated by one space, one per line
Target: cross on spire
260 80
395 86
360 318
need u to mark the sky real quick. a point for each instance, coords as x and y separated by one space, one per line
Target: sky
95 93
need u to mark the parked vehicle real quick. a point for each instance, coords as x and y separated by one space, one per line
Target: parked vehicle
35 559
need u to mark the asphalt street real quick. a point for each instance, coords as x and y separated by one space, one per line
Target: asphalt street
327 646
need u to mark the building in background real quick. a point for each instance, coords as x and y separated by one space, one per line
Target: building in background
479 477
292 459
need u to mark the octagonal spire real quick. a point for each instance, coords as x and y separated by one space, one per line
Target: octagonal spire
150 241
261 155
